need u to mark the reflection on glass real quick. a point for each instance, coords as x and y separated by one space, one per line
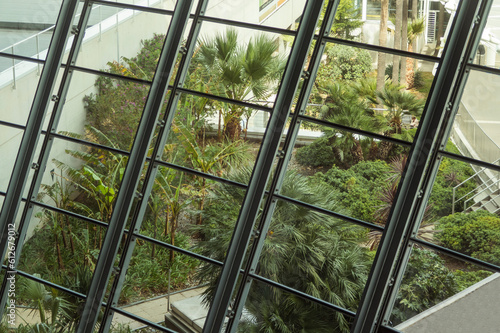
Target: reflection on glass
10 139
487 53
434 279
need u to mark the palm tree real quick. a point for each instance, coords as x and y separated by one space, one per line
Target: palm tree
240 72
344 106
415 28
398 41
304 250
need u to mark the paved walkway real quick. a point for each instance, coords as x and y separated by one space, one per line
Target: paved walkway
153 310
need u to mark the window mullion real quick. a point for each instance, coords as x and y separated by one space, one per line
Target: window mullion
261 173
135 166
33 129
381 277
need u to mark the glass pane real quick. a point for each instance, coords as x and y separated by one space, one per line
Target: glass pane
348 92
475 131
351 175
184 209
435 291
103 110
240 64
269 309
17 102
487 53
10 139
59 248
214 137
93 176
274 13
426 26
115 42
462 211
57 310
316 254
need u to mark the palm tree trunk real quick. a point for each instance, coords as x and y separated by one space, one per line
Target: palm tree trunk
397 40
384 13
404 41
172 238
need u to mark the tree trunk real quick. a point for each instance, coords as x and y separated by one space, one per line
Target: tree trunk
384 13
357 153
414 10
397 40
440 31
165 232
172 238
404 41
232 129
202 201
373 152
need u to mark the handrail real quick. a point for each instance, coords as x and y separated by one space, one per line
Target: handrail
486 188
454 200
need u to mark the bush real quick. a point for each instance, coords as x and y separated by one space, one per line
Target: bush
318 154
356 188
476 234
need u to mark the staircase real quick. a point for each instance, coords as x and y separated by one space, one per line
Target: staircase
485 196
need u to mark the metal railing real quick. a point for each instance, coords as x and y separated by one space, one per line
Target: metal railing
487 182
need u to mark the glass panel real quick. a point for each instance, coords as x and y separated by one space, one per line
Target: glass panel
184 208
59 248
347 92
240 64
156 272
269 309
487 53
315 254
475 130
110 108
273 13
163 4
41 301
93 175
473 227
116 40
426 32
356 177
17 102
433 294
214 137
10 139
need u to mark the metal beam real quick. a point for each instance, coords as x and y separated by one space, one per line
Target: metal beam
442 137
135 166
34 126
152 170
409 191
263 166
281 168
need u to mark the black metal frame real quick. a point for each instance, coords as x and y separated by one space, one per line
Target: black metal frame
399 234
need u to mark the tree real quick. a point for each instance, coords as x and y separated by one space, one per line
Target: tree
303 249
415 28
397 40
239 72
384 15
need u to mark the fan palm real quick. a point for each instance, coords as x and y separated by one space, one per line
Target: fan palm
303 249
243 73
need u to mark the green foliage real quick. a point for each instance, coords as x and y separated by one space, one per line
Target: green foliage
426 282
344 63
303 249
317 154
347 19
476 234
451 173
422 81
357 188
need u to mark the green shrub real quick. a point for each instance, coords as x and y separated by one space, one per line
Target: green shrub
318 154
476 234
